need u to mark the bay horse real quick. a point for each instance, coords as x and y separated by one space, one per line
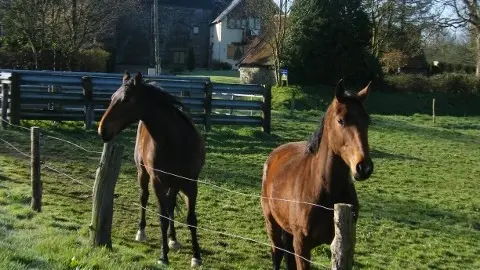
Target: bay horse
167 140
318 171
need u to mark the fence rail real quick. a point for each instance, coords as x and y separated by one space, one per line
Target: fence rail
79 96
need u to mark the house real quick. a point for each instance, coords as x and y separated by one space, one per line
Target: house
233 30
257 64
216 30
183 24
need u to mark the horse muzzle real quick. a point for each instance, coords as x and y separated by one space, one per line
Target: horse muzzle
364 170
105 134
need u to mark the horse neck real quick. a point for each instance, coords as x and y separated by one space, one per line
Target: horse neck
334 172
160 122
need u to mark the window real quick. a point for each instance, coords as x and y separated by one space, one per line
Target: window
230 51
179 57
251 23
195 30
231 23
244 23
234 51
257 24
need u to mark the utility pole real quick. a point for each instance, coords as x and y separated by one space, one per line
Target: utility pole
156 39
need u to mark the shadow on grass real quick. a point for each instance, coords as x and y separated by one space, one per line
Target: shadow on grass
429 133
417 214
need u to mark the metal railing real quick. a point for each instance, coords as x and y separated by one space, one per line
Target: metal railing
80 96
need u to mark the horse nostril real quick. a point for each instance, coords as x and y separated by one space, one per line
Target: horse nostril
360 168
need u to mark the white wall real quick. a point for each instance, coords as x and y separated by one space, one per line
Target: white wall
221 36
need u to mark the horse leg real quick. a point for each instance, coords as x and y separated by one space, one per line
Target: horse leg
289 257
302 251
163 204
172 235
192 224
274 232
143 179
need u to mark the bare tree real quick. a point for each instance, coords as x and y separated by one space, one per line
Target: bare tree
277 33
389 18
85 21
29 20
274 26
467 14
64 25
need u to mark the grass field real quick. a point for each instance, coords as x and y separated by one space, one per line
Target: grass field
218 76
419 210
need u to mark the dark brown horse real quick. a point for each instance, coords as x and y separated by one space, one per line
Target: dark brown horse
167 140
317 172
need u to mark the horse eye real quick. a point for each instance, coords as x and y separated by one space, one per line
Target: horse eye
341 122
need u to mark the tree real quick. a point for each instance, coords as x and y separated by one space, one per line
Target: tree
466 14
329 40
274 25
447 48
396 23
27 21
62 25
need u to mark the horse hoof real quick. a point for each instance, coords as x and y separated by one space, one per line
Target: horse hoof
196 262
174 245
141 236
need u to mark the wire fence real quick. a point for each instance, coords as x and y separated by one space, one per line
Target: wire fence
49 167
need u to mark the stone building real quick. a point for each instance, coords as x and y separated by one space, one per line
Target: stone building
257 65
183 24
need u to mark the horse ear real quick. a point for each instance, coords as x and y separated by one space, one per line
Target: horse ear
340 90
138 78
126 76
363 94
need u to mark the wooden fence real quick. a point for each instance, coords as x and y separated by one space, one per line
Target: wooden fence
77 96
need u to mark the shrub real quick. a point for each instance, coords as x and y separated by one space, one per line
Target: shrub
93 60
454 83
407 83
217 65
177 70
392 60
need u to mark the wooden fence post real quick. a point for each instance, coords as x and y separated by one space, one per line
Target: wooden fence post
4 105
15 103
103 192
185 94
267 108
87 86
343 244
292 103
208 106
35 169
433 110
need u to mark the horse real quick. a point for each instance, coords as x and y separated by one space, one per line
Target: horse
312 173
169 151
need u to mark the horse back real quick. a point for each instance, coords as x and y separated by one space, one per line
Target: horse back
286 175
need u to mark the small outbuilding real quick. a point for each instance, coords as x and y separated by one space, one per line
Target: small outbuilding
257 64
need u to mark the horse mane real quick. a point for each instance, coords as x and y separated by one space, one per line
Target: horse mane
166 100
314 140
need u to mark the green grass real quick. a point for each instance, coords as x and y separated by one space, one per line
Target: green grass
218 76
419 210
381 101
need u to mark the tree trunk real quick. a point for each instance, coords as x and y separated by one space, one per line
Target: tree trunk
477 39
